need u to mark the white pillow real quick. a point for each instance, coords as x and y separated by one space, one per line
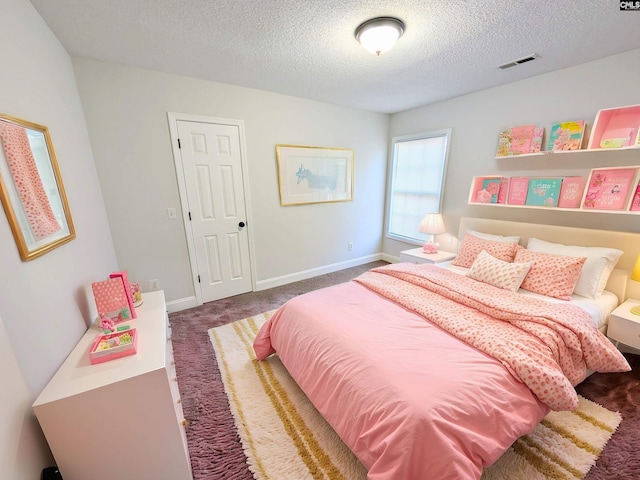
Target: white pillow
494 238
596 269
488 269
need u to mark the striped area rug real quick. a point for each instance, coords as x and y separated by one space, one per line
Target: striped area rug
285 438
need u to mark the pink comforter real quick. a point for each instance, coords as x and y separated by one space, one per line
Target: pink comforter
548 346
411 400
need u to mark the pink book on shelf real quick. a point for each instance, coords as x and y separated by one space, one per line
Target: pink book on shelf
536 141
111 299
518 187
609 188
571 192
125 283
517 140
635 203
504 188
492 186
521 138
491 189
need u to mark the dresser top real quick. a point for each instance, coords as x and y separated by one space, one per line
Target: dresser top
77 374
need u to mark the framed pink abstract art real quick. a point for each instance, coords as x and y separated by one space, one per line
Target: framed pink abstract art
31 188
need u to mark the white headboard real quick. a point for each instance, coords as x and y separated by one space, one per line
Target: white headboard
628 242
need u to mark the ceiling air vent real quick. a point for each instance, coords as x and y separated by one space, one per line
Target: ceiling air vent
519 61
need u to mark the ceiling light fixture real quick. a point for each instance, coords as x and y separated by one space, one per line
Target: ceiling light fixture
379 34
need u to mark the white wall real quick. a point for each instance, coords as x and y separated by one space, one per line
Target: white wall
42 301
126 110
477 119
23 452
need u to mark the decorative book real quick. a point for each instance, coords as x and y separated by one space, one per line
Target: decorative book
566 136
111 299
504 188
127 287
536 141
635 202
571 192
489 190
609 188
544 192
518 187
492 185
520 140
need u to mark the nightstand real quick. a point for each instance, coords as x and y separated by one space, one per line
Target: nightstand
416 255
624 326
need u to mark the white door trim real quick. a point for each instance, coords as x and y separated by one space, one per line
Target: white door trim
173 119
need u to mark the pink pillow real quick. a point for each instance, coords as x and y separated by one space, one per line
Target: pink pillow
471 246
551 275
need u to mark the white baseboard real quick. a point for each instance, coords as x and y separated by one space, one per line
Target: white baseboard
389 258
189 302
314 272
181 304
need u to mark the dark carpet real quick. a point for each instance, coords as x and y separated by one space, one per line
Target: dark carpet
620 392
214 445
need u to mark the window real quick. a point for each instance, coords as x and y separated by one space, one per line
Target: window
417 181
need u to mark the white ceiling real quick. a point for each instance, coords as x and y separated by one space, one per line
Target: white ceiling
307 48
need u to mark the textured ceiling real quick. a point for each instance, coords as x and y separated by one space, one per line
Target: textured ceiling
307 48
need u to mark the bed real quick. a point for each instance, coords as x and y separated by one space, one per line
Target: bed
427 372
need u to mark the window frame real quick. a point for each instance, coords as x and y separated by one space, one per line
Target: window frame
420 238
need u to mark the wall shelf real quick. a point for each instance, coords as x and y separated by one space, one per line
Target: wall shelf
585 158
555 209
562 164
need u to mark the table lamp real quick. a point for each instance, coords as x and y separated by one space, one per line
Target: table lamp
635 275
433 225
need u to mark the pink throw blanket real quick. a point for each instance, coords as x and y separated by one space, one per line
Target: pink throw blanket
547 346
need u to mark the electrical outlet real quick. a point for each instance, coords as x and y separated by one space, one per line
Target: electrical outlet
154 284
349 246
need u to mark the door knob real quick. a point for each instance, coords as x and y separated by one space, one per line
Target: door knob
241 224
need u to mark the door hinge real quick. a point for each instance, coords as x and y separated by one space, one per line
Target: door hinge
189 216
198 278
179 146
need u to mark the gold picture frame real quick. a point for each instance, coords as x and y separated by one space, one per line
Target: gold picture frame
31 188
314 174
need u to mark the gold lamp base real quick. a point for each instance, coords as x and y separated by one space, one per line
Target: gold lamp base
635 310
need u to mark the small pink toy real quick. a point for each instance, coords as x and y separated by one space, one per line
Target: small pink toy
135 291
430 248
107 324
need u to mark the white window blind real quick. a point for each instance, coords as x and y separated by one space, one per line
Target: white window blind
417 181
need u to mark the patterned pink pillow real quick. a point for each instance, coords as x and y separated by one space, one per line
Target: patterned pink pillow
471 246
551 275
501 274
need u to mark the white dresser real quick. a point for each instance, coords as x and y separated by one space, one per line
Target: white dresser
121 419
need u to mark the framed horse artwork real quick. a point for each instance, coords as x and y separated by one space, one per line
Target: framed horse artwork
314 174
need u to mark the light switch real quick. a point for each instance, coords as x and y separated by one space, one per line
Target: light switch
171 212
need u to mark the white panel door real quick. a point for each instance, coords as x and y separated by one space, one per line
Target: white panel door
212 170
